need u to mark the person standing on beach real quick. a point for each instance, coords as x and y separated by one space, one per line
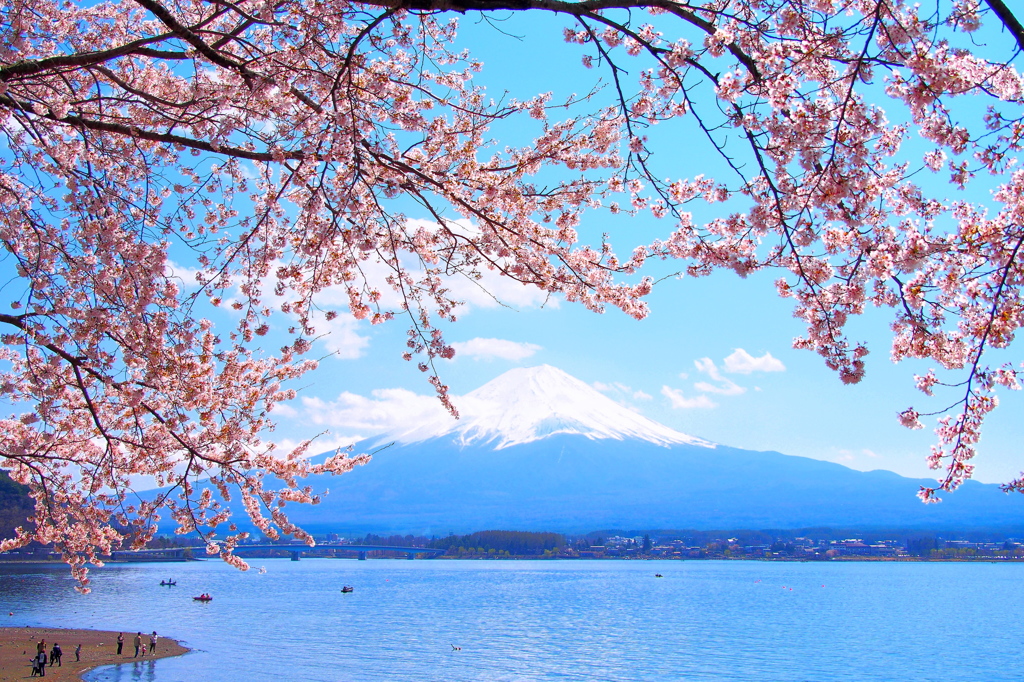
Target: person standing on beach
55 655
41 662
152 643
78 652
41 646
120 642
138 643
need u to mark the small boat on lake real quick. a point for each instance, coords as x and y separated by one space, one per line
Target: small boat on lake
203 597
168 583
347 588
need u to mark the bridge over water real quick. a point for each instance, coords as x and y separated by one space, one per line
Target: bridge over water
296 551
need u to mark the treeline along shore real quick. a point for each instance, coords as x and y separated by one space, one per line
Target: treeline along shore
822 544
807 544
804 544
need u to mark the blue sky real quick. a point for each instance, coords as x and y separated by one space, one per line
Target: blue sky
802 410
672 366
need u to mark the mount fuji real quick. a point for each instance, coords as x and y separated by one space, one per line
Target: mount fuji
537 449
526 405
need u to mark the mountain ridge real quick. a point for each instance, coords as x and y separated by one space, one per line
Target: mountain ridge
538 450
528 404
570 484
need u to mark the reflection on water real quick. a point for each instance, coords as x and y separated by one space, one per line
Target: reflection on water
546 620
137 671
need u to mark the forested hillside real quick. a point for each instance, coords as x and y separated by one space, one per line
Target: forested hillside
15 505
513 542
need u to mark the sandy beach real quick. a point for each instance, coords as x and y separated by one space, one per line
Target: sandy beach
17 646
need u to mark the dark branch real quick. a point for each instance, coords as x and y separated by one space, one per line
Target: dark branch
587 8
189 36
166 138
1009 20
33 67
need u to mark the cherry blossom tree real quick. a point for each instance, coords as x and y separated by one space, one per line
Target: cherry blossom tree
280 149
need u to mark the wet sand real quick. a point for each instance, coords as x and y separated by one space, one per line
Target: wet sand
18 645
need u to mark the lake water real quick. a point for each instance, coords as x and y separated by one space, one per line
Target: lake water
546 620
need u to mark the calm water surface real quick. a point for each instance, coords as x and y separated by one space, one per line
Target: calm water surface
546 620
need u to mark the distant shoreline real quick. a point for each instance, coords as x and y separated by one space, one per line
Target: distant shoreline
846 558
99 648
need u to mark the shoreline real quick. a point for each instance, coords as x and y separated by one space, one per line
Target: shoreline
843 558
99 647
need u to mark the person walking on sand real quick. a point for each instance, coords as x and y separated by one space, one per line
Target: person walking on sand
41 663
41 646
55 655
143 650
78 653
138 643
120 642
152 643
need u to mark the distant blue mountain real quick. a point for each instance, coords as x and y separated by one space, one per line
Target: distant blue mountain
537 449
568 483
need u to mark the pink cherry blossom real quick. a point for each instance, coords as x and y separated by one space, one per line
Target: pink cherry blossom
274 143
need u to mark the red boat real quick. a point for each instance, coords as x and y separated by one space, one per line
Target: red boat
203 597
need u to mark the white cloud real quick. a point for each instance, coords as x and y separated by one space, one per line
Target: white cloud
680 402
461 227
742 362
375 271
285 410
726 387
620 388
387 410
184 274
320 444
494 289
707 366
488 349
340 336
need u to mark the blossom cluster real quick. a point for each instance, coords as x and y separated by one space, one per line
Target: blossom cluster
276 143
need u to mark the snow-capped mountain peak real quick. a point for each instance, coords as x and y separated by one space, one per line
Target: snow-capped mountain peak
528 404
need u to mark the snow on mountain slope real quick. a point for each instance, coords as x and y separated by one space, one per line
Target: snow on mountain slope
528 404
